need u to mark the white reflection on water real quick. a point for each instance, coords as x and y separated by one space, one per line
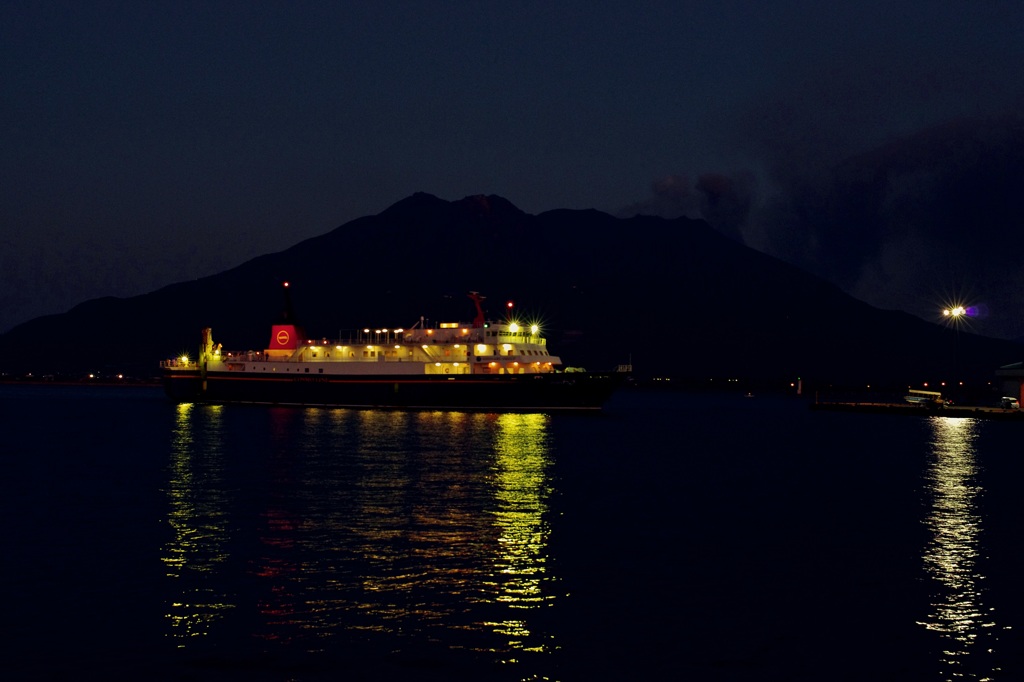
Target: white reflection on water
198 517
951 554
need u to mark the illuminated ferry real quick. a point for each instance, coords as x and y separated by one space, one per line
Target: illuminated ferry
483 365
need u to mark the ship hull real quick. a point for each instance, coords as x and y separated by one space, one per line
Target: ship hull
528 392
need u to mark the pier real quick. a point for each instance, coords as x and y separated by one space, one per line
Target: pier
907 409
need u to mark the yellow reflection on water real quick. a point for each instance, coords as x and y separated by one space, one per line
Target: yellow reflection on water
521 493
197 516
951 555
429 525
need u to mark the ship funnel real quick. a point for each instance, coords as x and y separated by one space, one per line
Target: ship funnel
286 335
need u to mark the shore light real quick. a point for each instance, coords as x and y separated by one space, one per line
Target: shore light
955 312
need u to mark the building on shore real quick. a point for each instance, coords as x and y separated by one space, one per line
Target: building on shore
1011 379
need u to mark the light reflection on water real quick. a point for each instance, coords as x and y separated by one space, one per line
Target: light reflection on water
951 557
425 527
198 516
521 496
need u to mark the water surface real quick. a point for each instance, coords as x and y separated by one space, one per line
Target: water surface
683 536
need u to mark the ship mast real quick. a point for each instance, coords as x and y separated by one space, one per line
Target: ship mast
478 300
288 314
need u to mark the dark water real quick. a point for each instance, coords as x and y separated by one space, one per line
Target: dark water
674 536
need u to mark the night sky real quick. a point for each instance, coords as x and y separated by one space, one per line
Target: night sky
877 144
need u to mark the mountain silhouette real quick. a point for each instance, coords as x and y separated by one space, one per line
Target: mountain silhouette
672 297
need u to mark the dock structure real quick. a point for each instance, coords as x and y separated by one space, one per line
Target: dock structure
914 410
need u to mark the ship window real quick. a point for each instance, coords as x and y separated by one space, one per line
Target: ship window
307 370
321 370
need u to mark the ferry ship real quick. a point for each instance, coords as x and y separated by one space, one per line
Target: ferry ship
482 366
